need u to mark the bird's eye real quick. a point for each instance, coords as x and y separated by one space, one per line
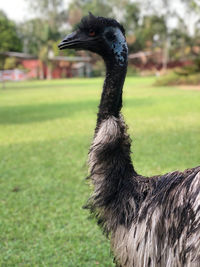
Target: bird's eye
92 33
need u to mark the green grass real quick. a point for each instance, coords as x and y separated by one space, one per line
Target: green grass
45 132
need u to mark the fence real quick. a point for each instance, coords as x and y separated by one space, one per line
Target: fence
12 75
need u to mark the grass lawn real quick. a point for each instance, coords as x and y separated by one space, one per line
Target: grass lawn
45 132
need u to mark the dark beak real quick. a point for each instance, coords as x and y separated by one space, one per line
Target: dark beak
72 40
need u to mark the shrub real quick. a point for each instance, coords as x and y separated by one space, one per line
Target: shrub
173 78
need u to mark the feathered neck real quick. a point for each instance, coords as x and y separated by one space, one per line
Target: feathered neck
111 98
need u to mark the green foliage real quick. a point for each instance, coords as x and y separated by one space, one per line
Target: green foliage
10 40
10 63
97 7
132 17
51 11
132 71
32 36
98 69
34 39
2 61
187 75
151 27
193 5
45 132
190 69
174 78
41 43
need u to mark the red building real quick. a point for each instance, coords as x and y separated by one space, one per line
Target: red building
57 67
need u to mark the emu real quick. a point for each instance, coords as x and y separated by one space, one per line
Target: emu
151 221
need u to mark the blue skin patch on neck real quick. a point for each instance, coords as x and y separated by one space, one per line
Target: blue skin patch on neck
117 42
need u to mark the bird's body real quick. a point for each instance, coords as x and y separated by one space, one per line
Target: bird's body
165 231
152 222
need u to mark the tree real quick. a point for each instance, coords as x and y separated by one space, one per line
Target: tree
149 34
32 35
52 11
131 17
40 33
10 40
80 8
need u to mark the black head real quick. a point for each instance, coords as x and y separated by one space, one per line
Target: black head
103 36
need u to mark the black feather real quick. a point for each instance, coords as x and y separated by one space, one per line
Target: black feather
98 23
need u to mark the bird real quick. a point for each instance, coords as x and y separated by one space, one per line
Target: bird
150 221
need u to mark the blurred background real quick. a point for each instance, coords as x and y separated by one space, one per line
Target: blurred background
161 35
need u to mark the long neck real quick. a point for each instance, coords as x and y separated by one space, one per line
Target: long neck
111 98
111 168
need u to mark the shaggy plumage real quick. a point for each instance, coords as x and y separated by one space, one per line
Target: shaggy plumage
98 24
150 221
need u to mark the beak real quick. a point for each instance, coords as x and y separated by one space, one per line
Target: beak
72 40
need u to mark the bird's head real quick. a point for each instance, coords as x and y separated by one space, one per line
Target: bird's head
100 35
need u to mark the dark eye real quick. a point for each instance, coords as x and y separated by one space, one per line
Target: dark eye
92 33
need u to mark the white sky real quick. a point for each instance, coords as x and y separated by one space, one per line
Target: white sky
18 9
14 9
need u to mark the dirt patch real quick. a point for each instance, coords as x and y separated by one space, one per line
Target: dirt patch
189 87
